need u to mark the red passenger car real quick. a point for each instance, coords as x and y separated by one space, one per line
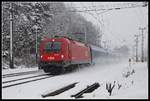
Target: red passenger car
61 53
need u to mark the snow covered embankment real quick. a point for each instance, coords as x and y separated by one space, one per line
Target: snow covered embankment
130 82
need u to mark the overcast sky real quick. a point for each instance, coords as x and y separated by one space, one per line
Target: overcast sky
119 26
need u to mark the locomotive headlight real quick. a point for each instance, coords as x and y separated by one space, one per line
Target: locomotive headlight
41 56
62 56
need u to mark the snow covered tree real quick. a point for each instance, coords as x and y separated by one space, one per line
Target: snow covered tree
51 18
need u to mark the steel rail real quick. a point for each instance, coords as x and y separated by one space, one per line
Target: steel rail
23 78
25 82
18 74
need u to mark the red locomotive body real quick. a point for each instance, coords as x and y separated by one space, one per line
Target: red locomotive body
60 53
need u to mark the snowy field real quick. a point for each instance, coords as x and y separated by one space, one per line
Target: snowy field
133 83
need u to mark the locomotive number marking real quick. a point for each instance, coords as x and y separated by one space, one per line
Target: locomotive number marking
51 58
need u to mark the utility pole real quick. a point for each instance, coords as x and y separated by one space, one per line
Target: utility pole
85 34
36 47
37 28
142 44
11 37
137 41
70 26
37 24
105 44
100 40
2 28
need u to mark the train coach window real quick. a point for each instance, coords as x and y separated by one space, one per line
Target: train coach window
52 47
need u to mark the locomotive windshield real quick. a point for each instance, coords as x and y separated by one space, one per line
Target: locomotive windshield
52 47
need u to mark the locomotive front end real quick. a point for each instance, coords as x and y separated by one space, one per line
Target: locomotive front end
51 54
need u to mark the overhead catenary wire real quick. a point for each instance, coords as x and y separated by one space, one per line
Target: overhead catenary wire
99 21
113 4
107 8
95 17
91 13
102 9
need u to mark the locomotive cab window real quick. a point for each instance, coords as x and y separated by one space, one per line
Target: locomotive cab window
52 47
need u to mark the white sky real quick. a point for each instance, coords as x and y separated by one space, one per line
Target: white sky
119 25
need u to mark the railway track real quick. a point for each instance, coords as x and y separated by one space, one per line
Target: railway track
7 84
23 78
14 82
88 89
23 82
19 74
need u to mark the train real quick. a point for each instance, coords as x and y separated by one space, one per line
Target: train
59 54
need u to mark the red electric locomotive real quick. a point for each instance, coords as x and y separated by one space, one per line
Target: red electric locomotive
61 53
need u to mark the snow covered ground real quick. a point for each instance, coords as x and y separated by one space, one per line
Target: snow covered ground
133 81
18 69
